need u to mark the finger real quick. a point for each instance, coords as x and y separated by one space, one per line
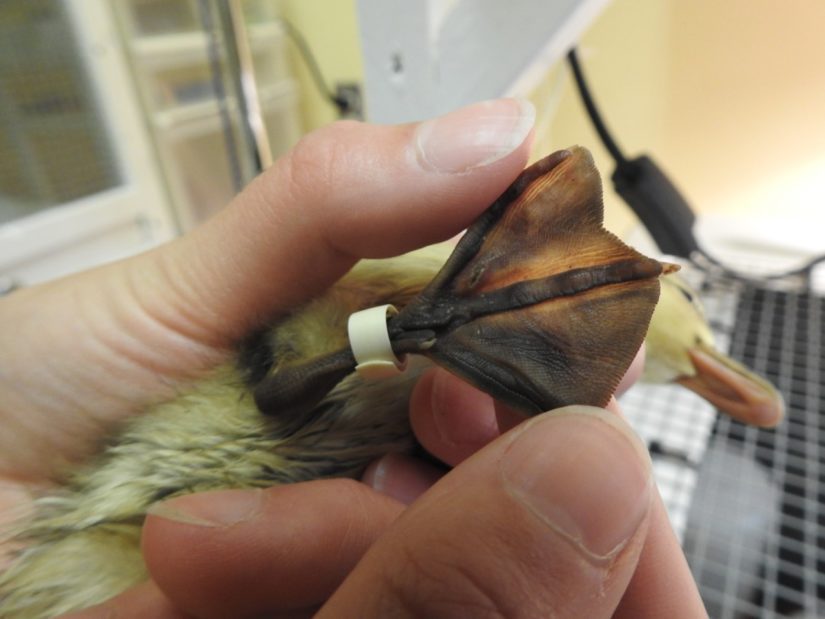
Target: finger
450 418
147 600
662 585
347 191
548 520
239 553
453 420
634 371
144 600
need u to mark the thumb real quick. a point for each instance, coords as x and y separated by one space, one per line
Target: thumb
347 191
548 520
119 336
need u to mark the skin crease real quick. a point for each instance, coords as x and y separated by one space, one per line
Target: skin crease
343 193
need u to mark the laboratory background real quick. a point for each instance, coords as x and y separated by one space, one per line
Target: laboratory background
124 123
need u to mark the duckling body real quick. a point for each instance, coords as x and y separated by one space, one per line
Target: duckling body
83 543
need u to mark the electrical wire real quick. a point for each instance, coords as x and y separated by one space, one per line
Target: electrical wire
593 111
702 259
341 103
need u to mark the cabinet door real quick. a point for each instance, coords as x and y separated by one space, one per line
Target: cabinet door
79 179
425 58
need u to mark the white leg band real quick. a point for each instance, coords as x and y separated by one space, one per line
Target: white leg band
370 342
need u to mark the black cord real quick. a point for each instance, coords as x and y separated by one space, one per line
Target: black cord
341 103
700 257
593 112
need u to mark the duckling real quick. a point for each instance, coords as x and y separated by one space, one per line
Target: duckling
537 304
82 544
680 348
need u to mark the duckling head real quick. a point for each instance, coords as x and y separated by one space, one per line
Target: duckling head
681 349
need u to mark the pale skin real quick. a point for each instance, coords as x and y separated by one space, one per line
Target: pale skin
555 516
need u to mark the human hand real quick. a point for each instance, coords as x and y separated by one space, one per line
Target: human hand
80 354
91 349
123 336
557 517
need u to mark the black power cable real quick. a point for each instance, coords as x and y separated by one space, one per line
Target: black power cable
658 204
343 104
645 188
593 111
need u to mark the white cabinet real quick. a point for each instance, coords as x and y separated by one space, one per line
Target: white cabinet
113 136
79 180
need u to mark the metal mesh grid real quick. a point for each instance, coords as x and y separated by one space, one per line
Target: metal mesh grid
748 504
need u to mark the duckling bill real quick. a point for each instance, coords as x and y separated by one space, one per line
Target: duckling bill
733 388
538 305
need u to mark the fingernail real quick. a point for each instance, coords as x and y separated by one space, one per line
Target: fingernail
582 472
220 508
473 136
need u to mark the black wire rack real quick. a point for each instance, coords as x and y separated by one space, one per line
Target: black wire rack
749 504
